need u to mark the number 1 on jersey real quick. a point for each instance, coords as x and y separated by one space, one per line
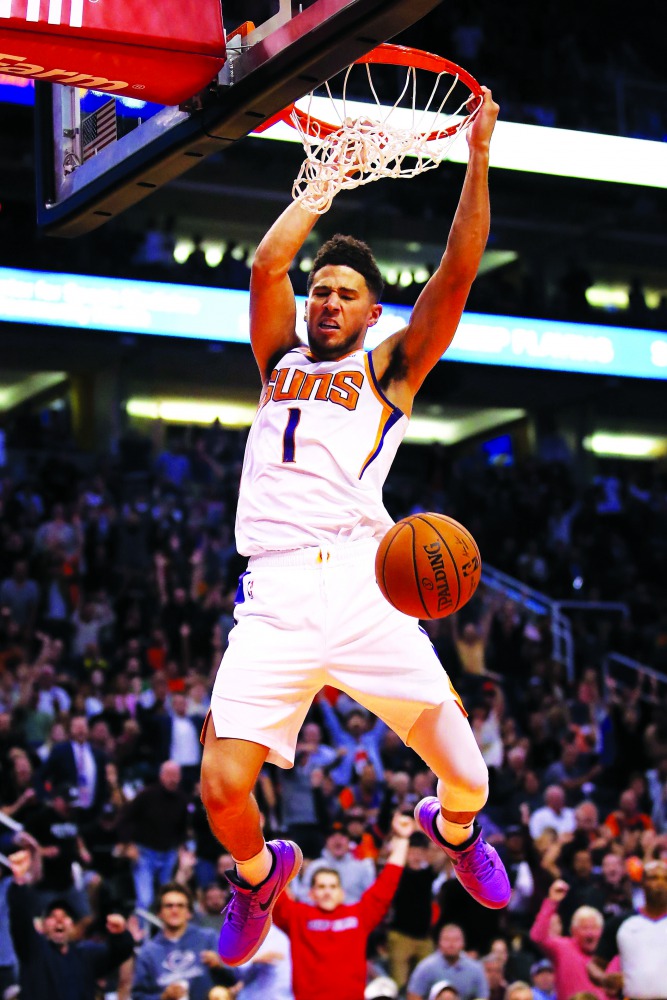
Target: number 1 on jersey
289 443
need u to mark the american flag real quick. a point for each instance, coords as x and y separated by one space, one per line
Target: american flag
98 129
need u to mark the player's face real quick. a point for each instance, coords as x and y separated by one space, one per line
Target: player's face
327 892
339 309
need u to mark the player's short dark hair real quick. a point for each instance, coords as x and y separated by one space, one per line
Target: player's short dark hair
352 253
324 871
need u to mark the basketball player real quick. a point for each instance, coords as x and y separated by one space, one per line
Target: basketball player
310 516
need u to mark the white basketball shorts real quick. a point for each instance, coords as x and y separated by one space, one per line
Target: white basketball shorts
312 617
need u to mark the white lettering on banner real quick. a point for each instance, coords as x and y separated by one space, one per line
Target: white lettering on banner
341 924
659 353
54 14
565 346
481 337
17 66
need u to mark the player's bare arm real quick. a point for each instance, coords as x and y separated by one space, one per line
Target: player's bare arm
404 359
272 302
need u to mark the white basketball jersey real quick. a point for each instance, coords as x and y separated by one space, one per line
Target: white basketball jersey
317 456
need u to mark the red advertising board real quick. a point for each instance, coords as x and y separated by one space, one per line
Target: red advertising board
162 52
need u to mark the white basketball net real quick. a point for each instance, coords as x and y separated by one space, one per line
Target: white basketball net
389 142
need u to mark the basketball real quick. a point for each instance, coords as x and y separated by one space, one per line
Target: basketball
428 565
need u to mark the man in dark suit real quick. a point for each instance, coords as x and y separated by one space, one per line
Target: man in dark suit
80 766
177 739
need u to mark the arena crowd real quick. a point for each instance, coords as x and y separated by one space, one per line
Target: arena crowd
116 601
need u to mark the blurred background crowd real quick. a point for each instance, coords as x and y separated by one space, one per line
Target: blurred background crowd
118 573
116 601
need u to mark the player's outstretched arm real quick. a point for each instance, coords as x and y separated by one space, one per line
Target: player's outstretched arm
438 310
272 303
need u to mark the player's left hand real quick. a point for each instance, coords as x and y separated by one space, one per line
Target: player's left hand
480 131
116 924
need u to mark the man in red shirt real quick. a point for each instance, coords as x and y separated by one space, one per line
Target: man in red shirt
329 938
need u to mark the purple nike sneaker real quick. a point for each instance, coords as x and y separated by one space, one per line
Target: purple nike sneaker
248 913
476 864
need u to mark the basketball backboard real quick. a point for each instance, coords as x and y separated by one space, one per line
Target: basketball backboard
98 154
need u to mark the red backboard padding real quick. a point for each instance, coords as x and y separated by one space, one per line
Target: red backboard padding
162 52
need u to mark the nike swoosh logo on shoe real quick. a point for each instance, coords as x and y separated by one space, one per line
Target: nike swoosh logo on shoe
264 906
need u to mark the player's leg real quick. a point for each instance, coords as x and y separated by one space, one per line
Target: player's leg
385 662
444 740
229 771
230 768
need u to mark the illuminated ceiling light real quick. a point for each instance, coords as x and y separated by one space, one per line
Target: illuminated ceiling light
533 148
458 425
405 279
421 275
25 388
607 296
626 445
213 253
391 275
239 253
305 264
413 247
192 411
182 250
429 430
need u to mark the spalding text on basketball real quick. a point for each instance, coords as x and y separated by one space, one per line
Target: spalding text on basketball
434 555
17 66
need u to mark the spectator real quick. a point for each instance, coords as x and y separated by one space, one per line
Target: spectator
9 972
543 980
213 902
575 772
381 988
56 830
494 970
360 739
52 699
444 990
299 801
182 959
355 876
570 955
178 734
553 814
408 938
153 845
78 765
90 623
451 964
54 963
329 939
20 594
515 857
519 991
639 940
269 973
627 816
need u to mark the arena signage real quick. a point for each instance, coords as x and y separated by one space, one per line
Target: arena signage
193 312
